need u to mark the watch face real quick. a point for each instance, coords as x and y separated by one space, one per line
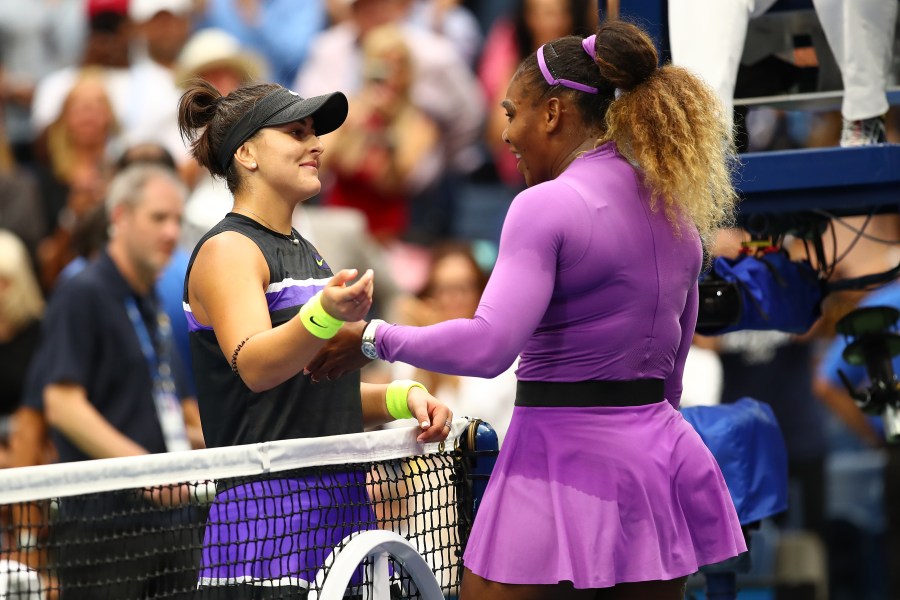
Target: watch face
368 349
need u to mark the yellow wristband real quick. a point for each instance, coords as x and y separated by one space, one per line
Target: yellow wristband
396 397
317 321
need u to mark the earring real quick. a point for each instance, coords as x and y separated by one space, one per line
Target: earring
253 165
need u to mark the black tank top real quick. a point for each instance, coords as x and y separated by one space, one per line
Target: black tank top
231 413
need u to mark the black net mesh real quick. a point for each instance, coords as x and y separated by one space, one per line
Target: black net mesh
258 536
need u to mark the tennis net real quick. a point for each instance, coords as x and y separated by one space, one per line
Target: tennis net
271 520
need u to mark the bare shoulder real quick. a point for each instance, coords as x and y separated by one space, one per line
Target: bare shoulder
229 250
226 261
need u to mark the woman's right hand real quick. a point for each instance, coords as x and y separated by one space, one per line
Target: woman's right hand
349 302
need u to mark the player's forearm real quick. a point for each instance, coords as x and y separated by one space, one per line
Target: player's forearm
374 408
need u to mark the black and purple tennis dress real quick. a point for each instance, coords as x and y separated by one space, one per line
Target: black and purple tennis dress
275 532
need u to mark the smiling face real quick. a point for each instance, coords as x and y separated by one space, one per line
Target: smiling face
288 158
525 132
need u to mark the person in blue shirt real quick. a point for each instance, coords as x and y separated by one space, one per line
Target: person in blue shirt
279 30
830 389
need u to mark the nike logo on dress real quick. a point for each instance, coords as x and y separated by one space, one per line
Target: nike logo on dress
320 261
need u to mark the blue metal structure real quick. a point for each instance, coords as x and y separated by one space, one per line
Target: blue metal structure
843 181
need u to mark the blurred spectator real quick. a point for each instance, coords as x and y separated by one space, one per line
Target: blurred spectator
106 49
337 11
161 29
388 150
20 204
108 382
488 13
830 389
36 38
170 283
278 30
217 57
708 36
21 309
452 291
103 391
74 165
89 237
449 19
442 85
531 24
92 233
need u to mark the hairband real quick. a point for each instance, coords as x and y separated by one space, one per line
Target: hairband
588 45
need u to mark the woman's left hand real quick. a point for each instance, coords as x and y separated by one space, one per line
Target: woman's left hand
430 412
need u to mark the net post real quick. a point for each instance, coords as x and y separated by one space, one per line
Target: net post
479 447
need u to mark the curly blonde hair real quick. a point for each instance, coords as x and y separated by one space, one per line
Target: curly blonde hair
672 126
664 120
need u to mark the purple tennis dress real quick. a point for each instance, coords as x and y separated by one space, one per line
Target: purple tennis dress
590 284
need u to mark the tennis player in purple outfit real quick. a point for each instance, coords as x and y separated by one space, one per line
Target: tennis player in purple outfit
601 490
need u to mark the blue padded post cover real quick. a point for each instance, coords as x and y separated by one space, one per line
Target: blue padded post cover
746 441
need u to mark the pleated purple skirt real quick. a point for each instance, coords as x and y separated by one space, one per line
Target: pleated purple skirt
599 496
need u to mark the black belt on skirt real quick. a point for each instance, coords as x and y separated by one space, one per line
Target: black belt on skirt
636 392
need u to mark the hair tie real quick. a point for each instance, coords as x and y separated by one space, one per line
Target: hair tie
590 46
551 80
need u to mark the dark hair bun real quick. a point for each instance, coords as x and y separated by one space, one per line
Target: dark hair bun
625 54
197 105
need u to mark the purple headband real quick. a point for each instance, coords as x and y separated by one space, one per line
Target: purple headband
588 45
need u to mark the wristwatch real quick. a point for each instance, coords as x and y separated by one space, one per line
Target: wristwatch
368 339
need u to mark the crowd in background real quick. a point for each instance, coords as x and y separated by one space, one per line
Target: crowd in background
415 183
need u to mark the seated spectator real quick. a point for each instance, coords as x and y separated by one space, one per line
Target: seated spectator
216 56
442 85
75 161
20 202
280 31
37 37
160 29
451 20
529 25
21 309
388 150
106 50
452 291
